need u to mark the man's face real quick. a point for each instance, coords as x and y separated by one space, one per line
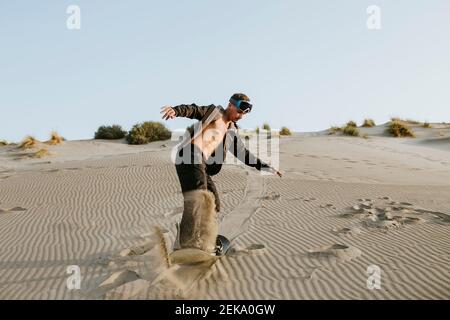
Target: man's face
235 113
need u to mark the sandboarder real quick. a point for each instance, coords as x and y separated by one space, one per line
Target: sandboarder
199 156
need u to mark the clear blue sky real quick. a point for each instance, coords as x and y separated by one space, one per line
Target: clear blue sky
305 64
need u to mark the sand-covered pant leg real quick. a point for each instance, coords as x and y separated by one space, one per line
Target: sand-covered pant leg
199 227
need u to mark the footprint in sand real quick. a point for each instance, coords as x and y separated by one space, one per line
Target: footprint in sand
381 223
439 217
338 251
328 205
272 196
346 231
390 215
252 249
15 209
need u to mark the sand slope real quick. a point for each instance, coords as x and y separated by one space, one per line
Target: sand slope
343 205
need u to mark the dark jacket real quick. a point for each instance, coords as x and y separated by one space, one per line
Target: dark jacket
231 141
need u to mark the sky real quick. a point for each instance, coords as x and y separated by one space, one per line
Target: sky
306 65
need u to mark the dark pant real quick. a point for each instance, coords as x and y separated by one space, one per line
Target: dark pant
192 174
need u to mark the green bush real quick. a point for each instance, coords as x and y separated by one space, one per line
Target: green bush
266 127
398 128
368 123
285 131
257 130
148 131
334 130
110 132
190 129
350 130
351 124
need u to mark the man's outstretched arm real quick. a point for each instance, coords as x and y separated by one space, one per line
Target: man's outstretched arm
191 111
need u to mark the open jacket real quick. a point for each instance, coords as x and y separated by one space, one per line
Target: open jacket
231 140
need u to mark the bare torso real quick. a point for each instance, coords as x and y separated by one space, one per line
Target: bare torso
210 138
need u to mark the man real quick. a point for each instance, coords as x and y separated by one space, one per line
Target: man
200 156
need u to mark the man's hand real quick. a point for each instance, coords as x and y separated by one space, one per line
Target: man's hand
168 112
274 171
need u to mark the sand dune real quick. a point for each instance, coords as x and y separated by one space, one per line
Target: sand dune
343 205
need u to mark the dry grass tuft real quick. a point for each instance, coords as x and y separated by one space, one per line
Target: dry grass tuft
285 131
40 153
334 130
398 128
28 142
350 130
351 124
55 139
368 123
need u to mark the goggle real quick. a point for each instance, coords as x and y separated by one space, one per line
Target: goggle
242 105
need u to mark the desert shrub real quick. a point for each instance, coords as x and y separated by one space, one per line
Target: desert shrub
3 143
351 124
266 127
247 137
365 136
148 131
398 128
55 138
110 132
40 153
28 142
257 130
426 125
285 131
350 130
334 130
190 129
368 123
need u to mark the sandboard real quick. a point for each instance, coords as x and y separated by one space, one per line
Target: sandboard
193 255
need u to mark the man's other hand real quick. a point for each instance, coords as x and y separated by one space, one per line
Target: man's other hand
274 171
168 112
